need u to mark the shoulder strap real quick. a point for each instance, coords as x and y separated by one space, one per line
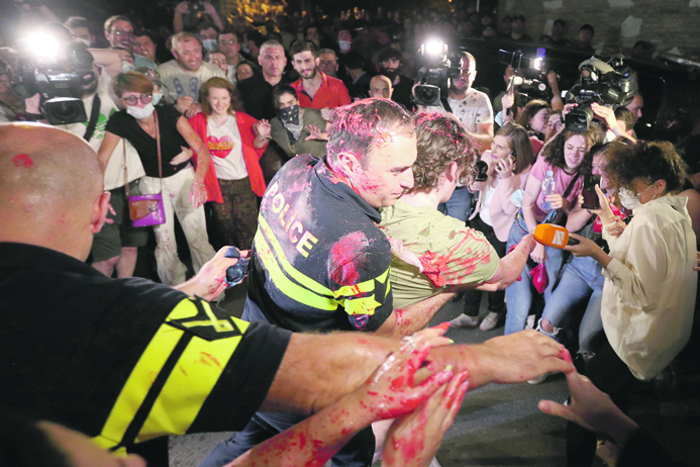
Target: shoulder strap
571 185
94 116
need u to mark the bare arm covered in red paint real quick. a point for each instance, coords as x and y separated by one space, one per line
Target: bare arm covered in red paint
414 439
511 266
414 317
389 392
305 385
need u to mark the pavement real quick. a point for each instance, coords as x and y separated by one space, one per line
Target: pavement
500 425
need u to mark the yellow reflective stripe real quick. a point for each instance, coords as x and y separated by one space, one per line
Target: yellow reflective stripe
137 386
349 291
191 381
286 286
287 266
361 306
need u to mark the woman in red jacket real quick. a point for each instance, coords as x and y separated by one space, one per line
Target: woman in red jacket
236 142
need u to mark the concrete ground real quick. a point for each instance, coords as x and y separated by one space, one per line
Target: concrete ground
500 425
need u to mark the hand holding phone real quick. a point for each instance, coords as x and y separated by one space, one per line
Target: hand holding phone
590 197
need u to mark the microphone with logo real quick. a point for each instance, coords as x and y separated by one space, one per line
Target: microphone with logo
555 236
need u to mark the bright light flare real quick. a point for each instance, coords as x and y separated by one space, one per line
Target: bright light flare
434 47
43 45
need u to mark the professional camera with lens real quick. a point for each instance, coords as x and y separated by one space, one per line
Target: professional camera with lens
528 76
602 84
61 73
434 78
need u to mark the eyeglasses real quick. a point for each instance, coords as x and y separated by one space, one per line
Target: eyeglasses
133 100
229 42
121 32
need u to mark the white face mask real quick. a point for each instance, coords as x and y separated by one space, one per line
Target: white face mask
210 44
628 199
127 67
344 46
157 96
140 112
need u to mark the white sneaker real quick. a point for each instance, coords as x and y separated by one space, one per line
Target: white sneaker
491 321
464 321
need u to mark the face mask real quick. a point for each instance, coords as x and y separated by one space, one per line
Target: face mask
210 44
157 96
127 67
139 112
345 46
628 199
290 115
84 41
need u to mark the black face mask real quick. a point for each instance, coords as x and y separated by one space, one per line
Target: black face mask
289 115
389 73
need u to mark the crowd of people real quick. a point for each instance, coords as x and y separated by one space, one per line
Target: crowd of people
361 212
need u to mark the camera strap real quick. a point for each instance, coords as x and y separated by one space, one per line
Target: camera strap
94 116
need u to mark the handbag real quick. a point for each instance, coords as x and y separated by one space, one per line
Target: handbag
146 210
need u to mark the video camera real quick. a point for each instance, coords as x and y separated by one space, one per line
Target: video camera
602 83
528 75
434 78
61 73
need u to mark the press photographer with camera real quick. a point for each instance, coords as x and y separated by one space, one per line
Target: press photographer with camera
85 115
189 13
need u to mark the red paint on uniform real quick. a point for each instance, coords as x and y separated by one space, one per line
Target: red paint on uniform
347 257
207 358
23 161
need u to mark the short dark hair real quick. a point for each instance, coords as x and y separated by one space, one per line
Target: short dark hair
356 127
625 115
587 27
279 91
519 143
230 30
354 61
560 21
206 25
113 19
78 22
648 161
303 46
530 110
389 54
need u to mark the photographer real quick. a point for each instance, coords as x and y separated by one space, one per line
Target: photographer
187 15
116 245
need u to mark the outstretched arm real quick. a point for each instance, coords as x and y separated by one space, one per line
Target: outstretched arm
387 393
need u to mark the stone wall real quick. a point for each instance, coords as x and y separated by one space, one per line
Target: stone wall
673 26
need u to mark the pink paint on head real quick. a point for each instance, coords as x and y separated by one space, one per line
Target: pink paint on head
23 161
346 257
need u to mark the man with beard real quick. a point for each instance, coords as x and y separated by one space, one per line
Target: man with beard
315 89
186 73
389 63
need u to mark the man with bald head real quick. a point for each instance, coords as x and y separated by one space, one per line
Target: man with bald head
380 86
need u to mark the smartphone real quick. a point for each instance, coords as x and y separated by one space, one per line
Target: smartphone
590 197
481 170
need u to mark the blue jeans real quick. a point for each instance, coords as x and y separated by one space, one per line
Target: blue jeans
520 294
581 283
358 452
459 204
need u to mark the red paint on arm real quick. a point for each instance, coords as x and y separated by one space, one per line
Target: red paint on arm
346 258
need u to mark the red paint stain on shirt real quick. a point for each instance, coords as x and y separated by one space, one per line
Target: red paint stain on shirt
207 359
347 256
449 267
23 161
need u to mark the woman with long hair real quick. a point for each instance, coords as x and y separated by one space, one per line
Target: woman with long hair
510 160
236 141
162 136
565 159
